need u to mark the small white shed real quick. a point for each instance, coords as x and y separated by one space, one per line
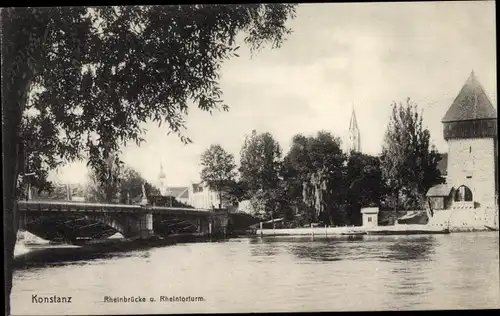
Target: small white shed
370 216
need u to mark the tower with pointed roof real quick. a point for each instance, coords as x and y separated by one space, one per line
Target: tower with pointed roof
163 181
354 144
470 129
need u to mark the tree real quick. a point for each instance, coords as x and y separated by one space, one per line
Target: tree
106 189
37 154
316 165
106 70
218 170
365 184
126 185
237 191
409 165
59 192
295 175
151 190
128 190
130 185
260 165
94 189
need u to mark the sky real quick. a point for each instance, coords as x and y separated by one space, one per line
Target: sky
339 57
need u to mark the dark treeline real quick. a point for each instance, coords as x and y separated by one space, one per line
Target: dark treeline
317 182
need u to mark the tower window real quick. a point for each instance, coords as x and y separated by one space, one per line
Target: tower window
470 149
463 193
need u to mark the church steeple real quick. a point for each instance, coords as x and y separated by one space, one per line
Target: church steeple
161 175
354 134
163 181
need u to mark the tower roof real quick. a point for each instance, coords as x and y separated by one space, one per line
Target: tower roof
161 175
472 103
354 123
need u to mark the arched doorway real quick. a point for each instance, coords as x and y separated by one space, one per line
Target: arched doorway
463 194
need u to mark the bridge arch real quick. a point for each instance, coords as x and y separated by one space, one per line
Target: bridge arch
119 225
71 227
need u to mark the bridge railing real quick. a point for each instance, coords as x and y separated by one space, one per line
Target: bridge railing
86 206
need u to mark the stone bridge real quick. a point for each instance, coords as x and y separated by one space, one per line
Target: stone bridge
70 221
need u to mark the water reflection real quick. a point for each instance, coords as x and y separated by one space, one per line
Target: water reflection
276 274
421 248
319 251
78 255
410 280
62 256
361 248
389 248
265 249
305 248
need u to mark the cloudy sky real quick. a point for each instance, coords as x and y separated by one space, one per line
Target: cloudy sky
339 55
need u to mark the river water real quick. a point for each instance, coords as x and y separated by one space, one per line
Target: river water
455 271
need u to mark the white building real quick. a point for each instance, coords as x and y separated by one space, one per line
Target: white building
181 194
200 196
370 216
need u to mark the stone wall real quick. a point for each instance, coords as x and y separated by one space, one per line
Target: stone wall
465 219
471 162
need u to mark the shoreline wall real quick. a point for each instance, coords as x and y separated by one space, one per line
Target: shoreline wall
389 217
465 219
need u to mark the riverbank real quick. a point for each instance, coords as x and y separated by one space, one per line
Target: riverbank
353 230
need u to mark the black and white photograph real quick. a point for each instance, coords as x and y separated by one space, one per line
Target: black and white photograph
250 158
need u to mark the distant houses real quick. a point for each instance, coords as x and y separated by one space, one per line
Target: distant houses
61 192
200 196
196 195
181 194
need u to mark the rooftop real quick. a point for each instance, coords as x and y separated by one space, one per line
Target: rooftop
370 210
179 192
472 103
439 190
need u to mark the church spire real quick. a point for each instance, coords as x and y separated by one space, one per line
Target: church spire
161 175
354 134
163 181
354 123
